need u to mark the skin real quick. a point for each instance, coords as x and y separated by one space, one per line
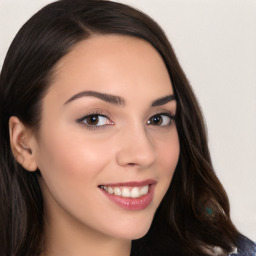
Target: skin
74 158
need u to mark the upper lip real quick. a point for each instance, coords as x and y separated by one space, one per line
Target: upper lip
132 183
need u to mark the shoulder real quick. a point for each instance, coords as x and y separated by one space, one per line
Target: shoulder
245 247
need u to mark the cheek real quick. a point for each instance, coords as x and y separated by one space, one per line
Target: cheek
70 164
70 168
168 152
168 156
71 153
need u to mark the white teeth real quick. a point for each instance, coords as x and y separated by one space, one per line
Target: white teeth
126 192
133 192
117 191
110 190
144 190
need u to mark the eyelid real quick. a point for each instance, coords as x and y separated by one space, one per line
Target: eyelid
100 113
96 113
91 114
165 112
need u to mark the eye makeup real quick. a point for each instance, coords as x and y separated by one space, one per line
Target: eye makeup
99 119
95 120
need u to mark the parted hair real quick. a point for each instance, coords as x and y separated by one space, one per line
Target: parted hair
194 215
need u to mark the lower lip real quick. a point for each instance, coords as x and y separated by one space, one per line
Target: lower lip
129 203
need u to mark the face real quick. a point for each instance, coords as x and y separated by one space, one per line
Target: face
108 146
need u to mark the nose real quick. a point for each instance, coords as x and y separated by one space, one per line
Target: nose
136 148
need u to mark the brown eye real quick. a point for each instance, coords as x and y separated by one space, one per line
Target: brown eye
92 120
95 120
156 120
160 120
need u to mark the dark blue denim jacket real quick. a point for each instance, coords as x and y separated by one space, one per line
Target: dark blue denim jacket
245 247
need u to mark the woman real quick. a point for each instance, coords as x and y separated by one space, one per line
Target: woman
103 145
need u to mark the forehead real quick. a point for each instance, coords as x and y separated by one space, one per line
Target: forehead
117 64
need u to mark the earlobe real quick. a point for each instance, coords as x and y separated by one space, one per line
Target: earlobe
20 141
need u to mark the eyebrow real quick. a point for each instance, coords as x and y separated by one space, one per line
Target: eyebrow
116 100
163 100
103 96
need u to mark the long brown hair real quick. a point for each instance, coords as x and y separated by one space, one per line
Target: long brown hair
194 214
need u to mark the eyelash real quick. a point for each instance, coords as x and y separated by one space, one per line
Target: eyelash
165 114
94 127
98 114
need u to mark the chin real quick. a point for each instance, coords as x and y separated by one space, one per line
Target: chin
133 231
138 234
133 235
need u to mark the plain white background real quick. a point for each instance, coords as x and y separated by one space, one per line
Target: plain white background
215 41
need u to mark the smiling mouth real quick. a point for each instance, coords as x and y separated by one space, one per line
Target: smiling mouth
126 191
130 195
129 189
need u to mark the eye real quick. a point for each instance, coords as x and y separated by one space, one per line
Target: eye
95 120
163 119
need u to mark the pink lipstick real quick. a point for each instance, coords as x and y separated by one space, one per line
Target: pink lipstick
130 195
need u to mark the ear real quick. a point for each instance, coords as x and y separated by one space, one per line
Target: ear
21 140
